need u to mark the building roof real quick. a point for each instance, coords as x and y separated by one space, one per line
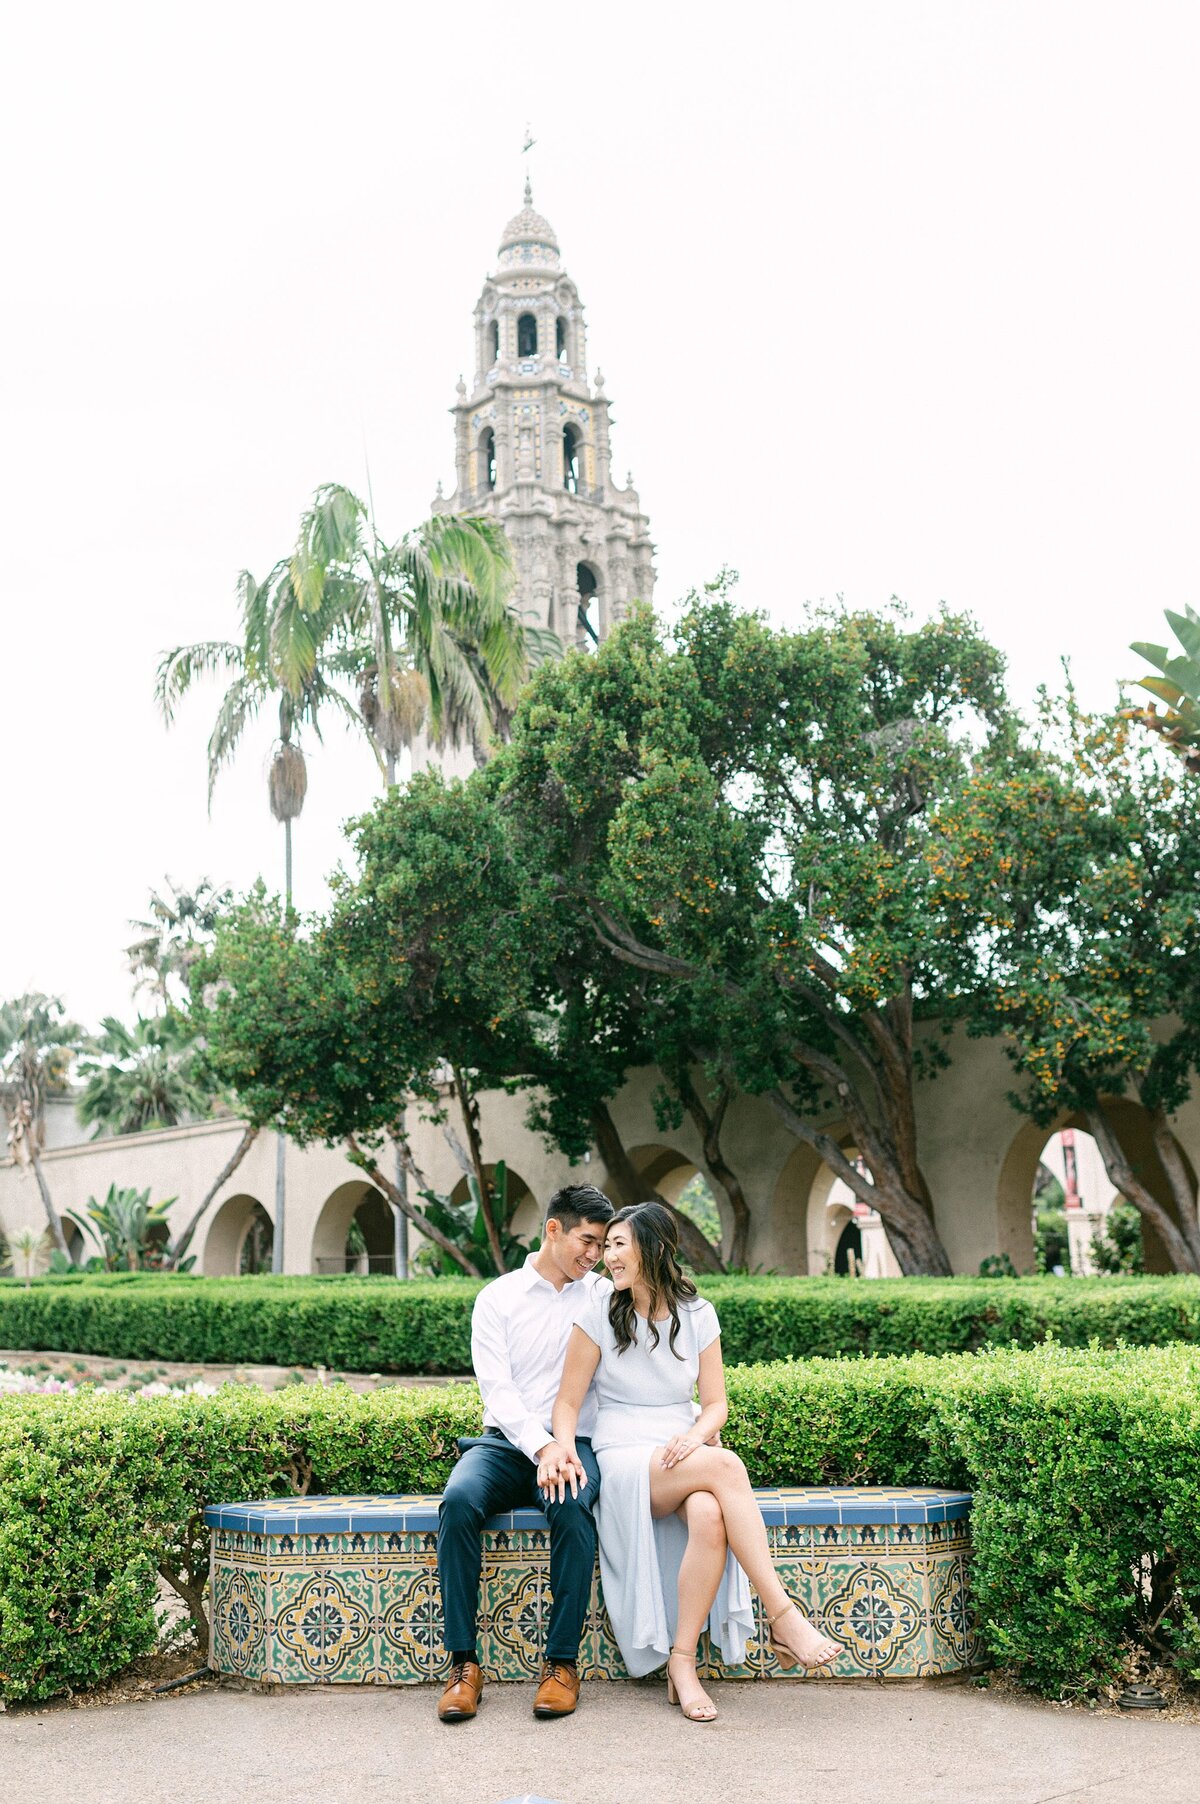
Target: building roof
529 237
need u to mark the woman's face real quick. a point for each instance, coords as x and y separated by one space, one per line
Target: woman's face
621 1256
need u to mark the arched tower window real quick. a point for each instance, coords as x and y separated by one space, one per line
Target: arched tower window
560 338
487 459
494 336
571 460
588 613
527 336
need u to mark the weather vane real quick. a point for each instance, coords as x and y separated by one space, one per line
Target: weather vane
530 140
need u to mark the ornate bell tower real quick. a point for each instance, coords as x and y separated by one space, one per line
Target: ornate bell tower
532 445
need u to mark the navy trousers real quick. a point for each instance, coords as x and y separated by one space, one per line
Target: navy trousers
492 1476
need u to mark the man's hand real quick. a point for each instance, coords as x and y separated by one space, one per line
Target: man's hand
557 1469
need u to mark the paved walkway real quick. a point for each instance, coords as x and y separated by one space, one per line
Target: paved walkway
813 1744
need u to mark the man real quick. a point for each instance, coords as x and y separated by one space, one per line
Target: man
520 1327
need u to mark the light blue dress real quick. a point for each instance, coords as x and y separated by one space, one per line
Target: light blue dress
644 1396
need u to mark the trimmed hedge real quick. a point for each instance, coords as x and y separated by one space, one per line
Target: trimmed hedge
1085 1467
375 1325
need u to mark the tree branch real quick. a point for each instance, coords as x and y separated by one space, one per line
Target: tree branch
368 1163
176 1253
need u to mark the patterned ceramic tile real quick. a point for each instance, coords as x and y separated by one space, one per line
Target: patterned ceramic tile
346 1591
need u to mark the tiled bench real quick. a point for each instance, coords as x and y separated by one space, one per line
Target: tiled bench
343 1590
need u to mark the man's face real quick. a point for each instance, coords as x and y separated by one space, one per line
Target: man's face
575 1251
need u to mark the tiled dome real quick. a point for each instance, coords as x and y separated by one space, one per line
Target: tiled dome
528 238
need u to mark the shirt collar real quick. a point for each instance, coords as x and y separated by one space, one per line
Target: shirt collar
532 1276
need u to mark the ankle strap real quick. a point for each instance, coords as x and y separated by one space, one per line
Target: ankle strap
791 1604
677 1653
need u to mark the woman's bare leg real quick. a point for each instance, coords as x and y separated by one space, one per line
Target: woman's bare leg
717 1470
701 1567
699 1576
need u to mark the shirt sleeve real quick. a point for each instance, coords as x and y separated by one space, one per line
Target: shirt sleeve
708 1327
502 1401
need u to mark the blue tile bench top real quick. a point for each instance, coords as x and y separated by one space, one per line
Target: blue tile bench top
787 1507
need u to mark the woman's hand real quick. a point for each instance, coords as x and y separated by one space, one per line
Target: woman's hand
559 1467
678 1447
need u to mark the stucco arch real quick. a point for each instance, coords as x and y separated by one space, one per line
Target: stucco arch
670 1172
221 1256
354 1199
1014 1197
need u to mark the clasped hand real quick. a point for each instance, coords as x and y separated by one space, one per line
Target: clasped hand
558 1469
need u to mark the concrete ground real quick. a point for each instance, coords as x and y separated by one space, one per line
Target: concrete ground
828 1744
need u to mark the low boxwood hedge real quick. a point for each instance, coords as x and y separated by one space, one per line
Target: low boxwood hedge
1085 1467
377 1325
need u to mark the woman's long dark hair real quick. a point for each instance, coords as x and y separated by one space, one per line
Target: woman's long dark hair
657 1240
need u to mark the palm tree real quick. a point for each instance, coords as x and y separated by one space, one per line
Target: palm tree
285 653
37 1047
144 1076
431 633
178 931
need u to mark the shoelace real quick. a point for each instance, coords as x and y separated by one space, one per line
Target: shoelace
552 1670
458 1671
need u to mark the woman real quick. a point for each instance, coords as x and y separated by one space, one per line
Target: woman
680 1530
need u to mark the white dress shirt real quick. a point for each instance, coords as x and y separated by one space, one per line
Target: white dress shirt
520 1327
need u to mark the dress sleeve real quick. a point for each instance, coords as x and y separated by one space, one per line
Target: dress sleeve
708 1328
595 1310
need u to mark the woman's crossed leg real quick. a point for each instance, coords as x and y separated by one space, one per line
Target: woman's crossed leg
721 1474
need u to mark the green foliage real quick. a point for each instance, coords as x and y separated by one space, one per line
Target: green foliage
697 1200
997 1265
375 1325
131 1229
1118 1246
1052 1243
1080 861
1085 1469
96 1499
145 1076
1178 685
465 1224
1086 1472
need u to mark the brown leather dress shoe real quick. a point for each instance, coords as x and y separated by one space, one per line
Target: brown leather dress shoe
558 1690
460 1700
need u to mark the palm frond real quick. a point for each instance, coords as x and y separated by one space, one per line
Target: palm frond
180 668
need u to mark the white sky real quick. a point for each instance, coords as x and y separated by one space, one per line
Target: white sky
891 298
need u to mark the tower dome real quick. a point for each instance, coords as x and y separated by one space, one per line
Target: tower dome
528 238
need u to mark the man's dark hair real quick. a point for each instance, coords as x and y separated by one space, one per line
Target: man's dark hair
578 1202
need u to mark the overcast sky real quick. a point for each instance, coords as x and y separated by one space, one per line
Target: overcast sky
891 298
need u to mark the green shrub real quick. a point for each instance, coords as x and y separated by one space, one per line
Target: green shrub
1085 1465
1117 1248
376 1325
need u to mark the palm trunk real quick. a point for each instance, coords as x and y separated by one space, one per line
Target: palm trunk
277 1238
280 1202
227 1170
52 1215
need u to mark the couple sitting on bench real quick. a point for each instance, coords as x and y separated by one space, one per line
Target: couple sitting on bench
588 1386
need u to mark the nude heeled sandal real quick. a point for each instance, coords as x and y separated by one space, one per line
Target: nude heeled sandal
689 1710
787 1657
